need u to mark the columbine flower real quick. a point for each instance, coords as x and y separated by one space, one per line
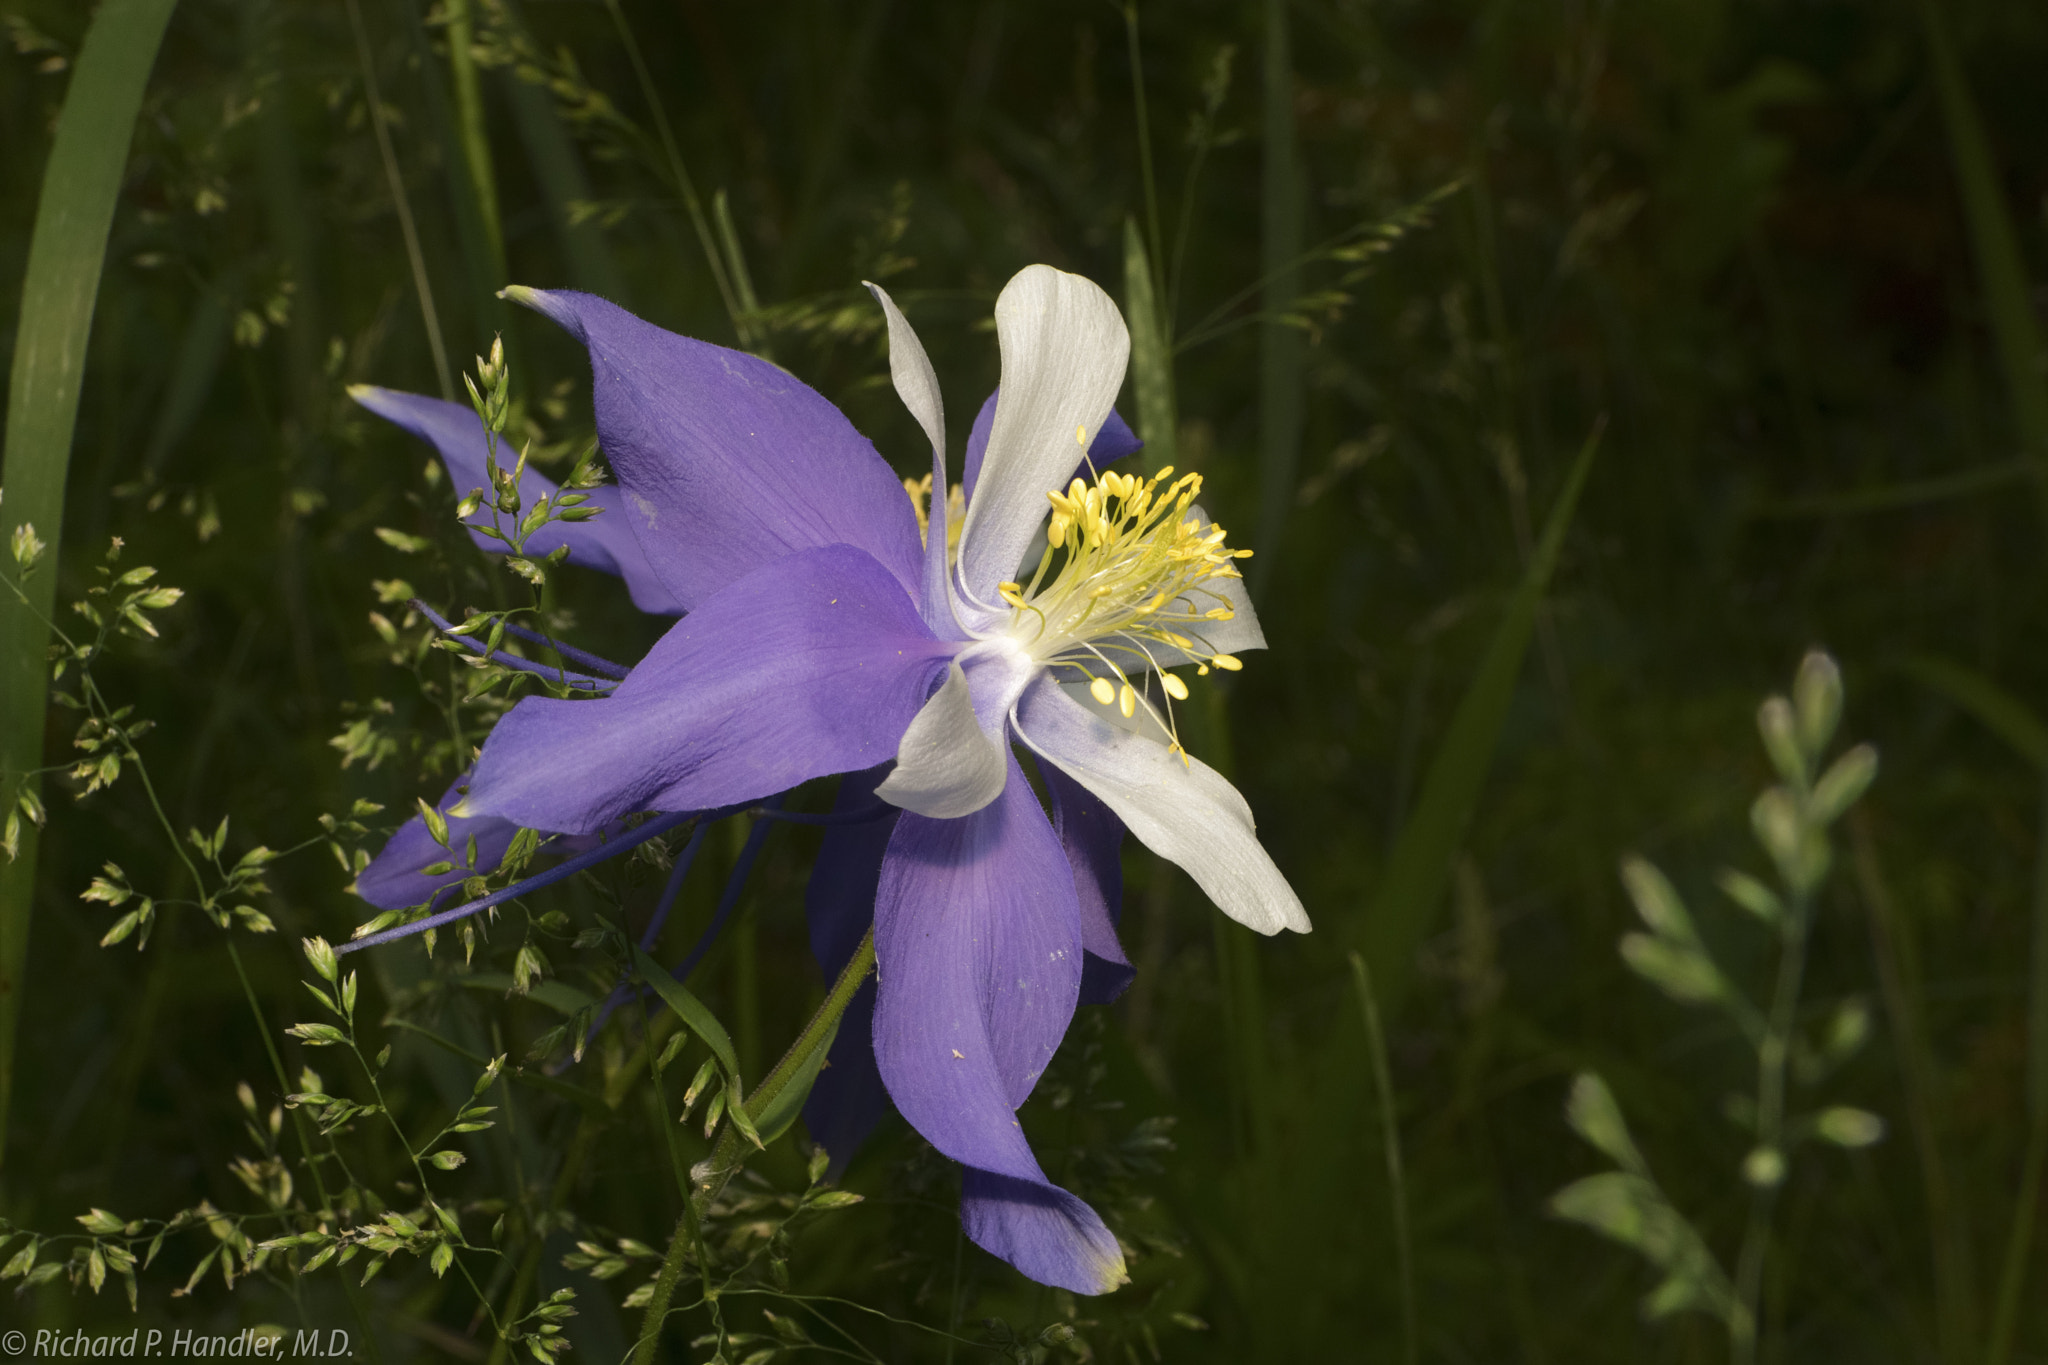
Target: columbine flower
826 634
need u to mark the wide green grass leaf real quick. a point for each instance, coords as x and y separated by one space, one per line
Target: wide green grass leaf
66 253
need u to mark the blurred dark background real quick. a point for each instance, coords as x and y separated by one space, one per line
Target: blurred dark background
1729 228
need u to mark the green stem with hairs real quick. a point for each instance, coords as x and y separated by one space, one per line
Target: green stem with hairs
725 1162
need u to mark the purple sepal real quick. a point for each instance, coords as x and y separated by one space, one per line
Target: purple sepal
839 903
727 462
978 951
1042 1230
1114 441
394 881
812 665
605 542
1093 839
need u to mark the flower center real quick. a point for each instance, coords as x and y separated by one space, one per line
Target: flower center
1129 581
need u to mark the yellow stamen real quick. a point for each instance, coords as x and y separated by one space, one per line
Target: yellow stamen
1129 582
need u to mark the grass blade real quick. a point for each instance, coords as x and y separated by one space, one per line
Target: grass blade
1419 869
1905 1011
690 1010
1998 710
66 255
2009 301
558 172
1151 352
1390 1133
476 142
2001 269
1281 377
430 316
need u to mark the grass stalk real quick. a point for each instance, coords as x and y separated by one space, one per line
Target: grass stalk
680 175
1774 1052
1282 382
1419 868
476 143
1146 173
423 287
2009 304
2001 270
1898 988
1390 1138
2019 1244
67 254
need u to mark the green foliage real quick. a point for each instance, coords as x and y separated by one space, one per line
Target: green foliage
1762 240
1791 822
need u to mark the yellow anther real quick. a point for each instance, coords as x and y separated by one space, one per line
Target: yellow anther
1127 561
1081 437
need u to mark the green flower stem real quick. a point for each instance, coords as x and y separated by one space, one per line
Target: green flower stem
725 1159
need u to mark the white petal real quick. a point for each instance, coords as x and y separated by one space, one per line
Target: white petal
1064 348
946 766
916 384
1186 813
1143 721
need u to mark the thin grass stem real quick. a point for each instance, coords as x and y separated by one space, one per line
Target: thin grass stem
1390 1138
680 174
422 287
